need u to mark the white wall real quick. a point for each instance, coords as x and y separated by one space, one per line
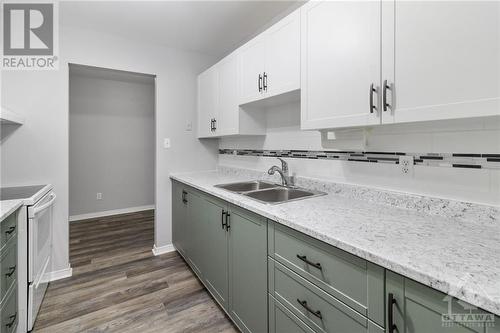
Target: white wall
38 151
457 136
111 140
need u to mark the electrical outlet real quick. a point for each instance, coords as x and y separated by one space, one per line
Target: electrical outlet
406 165
99 196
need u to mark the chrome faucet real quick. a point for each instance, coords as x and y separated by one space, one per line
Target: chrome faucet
286 179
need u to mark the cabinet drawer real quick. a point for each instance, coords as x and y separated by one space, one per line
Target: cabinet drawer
352 280
282 320
8 267
8 228
315 307
8 312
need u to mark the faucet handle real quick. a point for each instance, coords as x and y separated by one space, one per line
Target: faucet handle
284 164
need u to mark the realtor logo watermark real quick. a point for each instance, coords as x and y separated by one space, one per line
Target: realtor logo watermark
30 36
461 313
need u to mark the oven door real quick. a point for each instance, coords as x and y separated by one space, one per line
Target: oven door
39 253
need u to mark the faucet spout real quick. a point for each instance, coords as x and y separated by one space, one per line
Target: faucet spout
286 180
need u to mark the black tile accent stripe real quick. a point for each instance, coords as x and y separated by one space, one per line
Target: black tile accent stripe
467 166
455 160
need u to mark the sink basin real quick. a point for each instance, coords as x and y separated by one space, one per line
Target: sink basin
282 194
246 186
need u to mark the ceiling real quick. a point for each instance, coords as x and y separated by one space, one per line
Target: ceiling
209 27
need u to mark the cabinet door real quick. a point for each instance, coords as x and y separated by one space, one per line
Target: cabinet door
340 60
251 64
420 309
215 270
179 209
228 109
248 270
195 227
207 101
282 68
441 58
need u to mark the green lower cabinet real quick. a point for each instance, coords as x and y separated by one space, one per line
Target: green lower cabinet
282 320
179 211
315 307
215 267
419 309
248 270
494 327
348 278
196 228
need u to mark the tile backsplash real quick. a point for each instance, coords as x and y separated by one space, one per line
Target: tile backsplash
453 160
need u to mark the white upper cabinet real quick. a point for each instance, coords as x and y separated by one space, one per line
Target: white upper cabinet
270 63
251 63
282 66
340 57
442 59
219 113
228 108
207 102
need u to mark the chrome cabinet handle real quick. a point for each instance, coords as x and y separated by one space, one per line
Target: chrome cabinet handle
184 194
264 80
308 309
260 83
304 259
387 86
373 89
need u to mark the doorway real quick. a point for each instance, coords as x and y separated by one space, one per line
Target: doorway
111 165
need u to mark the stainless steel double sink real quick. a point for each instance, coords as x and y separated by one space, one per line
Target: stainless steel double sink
269 193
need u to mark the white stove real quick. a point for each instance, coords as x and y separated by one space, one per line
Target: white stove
34 249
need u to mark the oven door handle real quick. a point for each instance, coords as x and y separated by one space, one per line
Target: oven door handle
37 210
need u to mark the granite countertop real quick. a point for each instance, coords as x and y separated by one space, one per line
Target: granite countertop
460 257
7 207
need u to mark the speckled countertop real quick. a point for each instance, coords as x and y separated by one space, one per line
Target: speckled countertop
452 252
7 207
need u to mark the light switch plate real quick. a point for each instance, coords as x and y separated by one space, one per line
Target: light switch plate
166 143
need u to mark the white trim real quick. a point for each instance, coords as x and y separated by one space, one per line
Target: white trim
58 275
110 212
163 249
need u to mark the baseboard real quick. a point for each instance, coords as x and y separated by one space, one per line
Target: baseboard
58 275
163 249
110 212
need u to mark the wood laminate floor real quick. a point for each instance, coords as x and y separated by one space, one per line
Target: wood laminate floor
119 286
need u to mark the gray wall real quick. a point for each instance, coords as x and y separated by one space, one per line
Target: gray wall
111 140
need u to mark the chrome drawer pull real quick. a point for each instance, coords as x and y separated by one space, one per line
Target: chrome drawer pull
11 271
314 313
12 320
304 259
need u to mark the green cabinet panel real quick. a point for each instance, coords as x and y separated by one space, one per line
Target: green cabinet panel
8 267
350 279
494 327
420 309
318 309
282 320
179 211
8 228
215 267
8 312
196 229
248 270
